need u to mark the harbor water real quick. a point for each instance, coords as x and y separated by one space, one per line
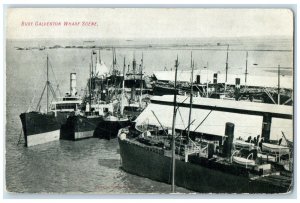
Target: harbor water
93 165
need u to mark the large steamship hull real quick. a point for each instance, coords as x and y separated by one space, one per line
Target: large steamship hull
79 127
196 175
108 129
40 128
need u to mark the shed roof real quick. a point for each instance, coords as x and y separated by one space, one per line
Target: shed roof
270 81
214 121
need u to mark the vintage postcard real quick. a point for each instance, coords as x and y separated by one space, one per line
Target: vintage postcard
149 100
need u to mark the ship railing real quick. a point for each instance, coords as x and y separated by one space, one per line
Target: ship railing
235 152
277 156
248 157
270 154
192 148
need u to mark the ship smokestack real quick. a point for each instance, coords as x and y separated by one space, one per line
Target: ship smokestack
133 66
198 79
215 78
73 84
237 83
237 88
266 127
215 82
229 132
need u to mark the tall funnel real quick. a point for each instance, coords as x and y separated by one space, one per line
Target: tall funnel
73 84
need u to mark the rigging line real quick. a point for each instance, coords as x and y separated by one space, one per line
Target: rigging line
34 95
182 102
53 92
57 89
159 123
203 120
181 118
54 76
38 104
189 124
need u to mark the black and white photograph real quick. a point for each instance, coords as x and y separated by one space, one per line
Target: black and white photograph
149 100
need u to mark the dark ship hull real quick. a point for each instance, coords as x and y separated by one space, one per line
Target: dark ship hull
164 90
108 129
132 112
40 128
79 127
197 174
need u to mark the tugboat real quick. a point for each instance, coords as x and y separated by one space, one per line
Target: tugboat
40 128
197 154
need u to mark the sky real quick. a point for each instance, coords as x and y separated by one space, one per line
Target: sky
149 23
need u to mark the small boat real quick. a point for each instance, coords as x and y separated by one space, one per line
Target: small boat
243 144
243 161
267 147
266 157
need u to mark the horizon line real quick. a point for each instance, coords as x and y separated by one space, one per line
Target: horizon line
129 38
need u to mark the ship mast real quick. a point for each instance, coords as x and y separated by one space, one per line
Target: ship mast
207 80
99 56
113 66
49 88
226 66
92 62
173 127
141 84
278 93
133 90
191 97
123 89
246 73
91 75
47 83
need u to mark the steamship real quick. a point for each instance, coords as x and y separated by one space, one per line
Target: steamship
224 146
39 127
216 155
98 116
96 103
109 127
138 88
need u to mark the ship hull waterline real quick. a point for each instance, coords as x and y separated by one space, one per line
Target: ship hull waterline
154 165
42 138
109 129
40 128
79 127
